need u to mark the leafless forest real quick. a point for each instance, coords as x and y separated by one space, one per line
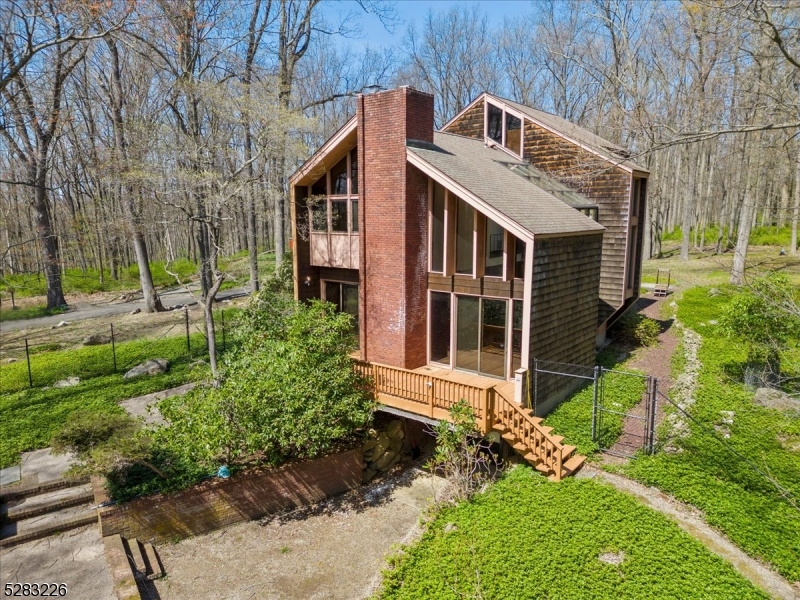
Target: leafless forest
136 131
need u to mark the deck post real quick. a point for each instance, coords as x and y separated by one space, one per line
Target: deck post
488 418
431 386
519 385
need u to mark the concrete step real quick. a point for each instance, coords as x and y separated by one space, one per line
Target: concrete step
32 506
155 568
10 493
136 556
34 528
143 559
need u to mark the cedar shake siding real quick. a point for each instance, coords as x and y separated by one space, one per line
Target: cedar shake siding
564 309
608 187
470 124
393 226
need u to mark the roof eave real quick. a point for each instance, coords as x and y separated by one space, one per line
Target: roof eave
333 141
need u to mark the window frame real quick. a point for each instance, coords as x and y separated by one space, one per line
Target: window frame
348 198
504 143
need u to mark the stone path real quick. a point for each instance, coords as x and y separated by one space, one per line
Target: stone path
143 406
691 521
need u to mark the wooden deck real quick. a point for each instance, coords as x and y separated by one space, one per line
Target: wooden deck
430 392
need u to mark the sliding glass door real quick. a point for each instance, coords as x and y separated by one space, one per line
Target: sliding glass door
481 335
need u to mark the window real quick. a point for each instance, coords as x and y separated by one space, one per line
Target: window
481 335
519 258
494 123
437 229
345 297
319 215
320 186
494 249
339 216
440 327
354 171
516 336
504 128
590 212
339 178
354 216
465 242
513 133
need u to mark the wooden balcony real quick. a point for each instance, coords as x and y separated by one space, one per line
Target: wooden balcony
430 392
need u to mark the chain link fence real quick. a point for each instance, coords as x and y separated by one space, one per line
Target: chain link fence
117 349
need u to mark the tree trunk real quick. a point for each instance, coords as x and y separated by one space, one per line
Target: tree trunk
796 210
745 224
55 294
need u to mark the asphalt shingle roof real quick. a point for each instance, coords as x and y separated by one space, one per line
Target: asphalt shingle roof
486 173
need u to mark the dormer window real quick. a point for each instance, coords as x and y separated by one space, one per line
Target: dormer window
504 128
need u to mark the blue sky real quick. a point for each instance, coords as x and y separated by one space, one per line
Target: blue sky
414 11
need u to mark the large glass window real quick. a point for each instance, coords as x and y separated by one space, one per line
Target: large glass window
519 258
494 123
465 225
440 327
494 249
437 229
339 178
493 337
345 297
467 332
354 216
319 215
516 336
339 216
320 186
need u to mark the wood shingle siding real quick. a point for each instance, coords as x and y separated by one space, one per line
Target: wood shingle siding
564 304
609 187
470 124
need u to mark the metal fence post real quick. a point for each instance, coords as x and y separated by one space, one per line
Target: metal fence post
188 343
28 360
113 347
594 403
653 409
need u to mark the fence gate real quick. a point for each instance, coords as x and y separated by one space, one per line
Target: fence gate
624 432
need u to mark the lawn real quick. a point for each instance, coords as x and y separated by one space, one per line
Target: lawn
529 538
28 312
31 416
732 495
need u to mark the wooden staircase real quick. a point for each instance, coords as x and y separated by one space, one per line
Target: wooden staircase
532 440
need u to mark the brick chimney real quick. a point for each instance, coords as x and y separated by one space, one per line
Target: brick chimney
393 226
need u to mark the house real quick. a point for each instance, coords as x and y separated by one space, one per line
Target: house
466 253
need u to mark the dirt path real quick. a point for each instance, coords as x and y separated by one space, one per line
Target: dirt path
691 521
335 549
655 361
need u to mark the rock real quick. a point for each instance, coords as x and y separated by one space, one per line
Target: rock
450 527
367 456
713 292
68 382
612 558
380 447
713 322
369 445
395 444
386 458
8 361
60 324
95 340
154 366
772 398
394 427
367 474
136 312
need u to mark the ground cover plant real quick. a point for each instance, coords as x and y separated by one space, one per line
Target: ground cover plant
529 538
573 418
28 312
744 504
31 417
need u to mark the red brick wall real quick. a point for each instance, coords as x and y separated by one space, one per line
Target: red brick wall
393 227
220 503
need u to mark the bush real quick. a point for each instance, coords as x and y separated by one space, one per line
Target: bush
637 329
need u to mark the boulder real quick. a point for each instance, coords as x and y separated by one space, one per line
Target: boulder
772 398
95 340
136 312
8 361
367 474
68 382
380 447
395 444
154 366
369 445
393 427
385 460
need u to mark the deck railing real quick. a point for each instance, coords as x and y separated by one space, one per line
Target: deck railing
432 396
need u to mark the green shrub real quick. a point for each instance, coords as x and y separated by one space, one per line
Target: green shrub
634 328
85 430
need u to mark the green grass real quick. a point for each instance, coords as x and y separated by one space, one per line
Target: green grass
733 497
31 312
529 538
759 236
573 418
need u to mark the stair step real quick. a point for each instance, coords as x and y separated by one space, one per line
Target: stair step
574 463
136 556
499 427
545 428
509 437
541 467
557 438
521 448
566 451
32 506
15 492
155 569
41 526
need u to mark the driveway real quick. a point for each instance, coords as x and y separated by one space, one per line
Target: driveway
86 310
333 550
